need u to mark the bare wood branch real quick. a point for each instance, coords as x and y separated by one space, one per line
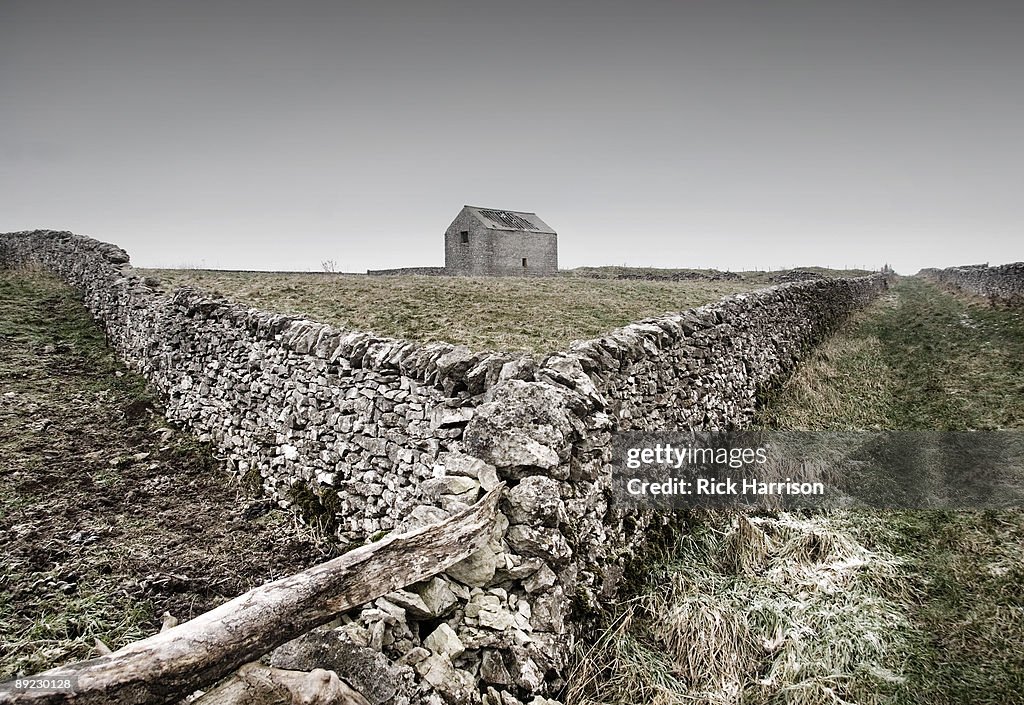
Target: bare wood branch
175 662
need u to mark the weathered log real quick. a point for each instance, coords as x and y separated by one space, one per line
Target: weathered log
169 665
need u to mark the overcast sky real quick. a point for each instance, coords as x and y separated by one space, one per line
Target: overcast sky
694 133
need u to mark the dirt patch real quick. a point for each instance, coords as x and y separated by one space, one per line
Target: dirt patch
109 516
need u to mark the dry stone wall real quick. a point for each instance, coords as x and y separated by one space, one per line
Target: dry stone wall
379 434
1001 284
707 368
301 403
421 271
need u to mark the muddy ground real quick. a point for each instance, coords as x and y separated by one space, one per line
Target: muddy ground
109 516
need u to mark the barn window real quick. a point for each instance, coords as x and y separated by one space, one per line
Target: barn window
524 262
465 236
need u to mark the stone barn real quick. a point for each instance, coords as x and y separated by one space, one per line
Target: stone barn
491 242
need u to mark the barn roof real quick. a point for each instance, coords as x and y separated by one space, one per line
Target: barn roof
497 219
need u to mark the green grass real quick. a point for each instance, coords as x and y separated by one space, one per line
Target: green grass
755 610
933 612
923 358
755 277
51 608
968 624
533 315
103 505
919 358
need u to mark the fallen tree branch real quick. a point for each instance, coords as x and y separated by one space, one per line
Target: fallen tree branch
171 664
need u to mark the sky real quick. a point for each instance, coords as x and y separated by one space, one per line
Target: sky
692 133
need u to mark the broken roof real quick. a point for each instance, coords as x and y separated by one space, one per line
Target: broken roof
496 219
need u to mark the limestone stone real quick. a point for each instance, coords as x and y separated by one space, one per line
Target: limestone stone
395 611
412 603
499 619
492 668
542 542
525 670
367 670
491 612
449 484
524 567
437 595
542 579
535 500
488 477
443 640
414 656
565 370
422 515
456 463
525 425
476 570
486 374
455 686
457 362
549 611
444 416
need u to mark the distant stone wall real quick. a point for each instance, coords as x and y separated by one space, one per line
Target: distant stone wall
422 271
381 434
709 367
1001 284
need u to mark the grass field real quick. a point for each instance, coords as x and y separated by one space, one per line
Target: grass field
919 358
925 359
758 277
108 516
533 315
900 607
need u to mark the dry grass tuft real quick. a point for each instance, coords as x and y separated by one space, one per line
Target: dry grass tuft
772 609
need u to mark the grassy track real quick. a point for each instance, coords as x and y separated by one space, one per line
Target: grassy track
108 516
919 358
890 607
925 359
